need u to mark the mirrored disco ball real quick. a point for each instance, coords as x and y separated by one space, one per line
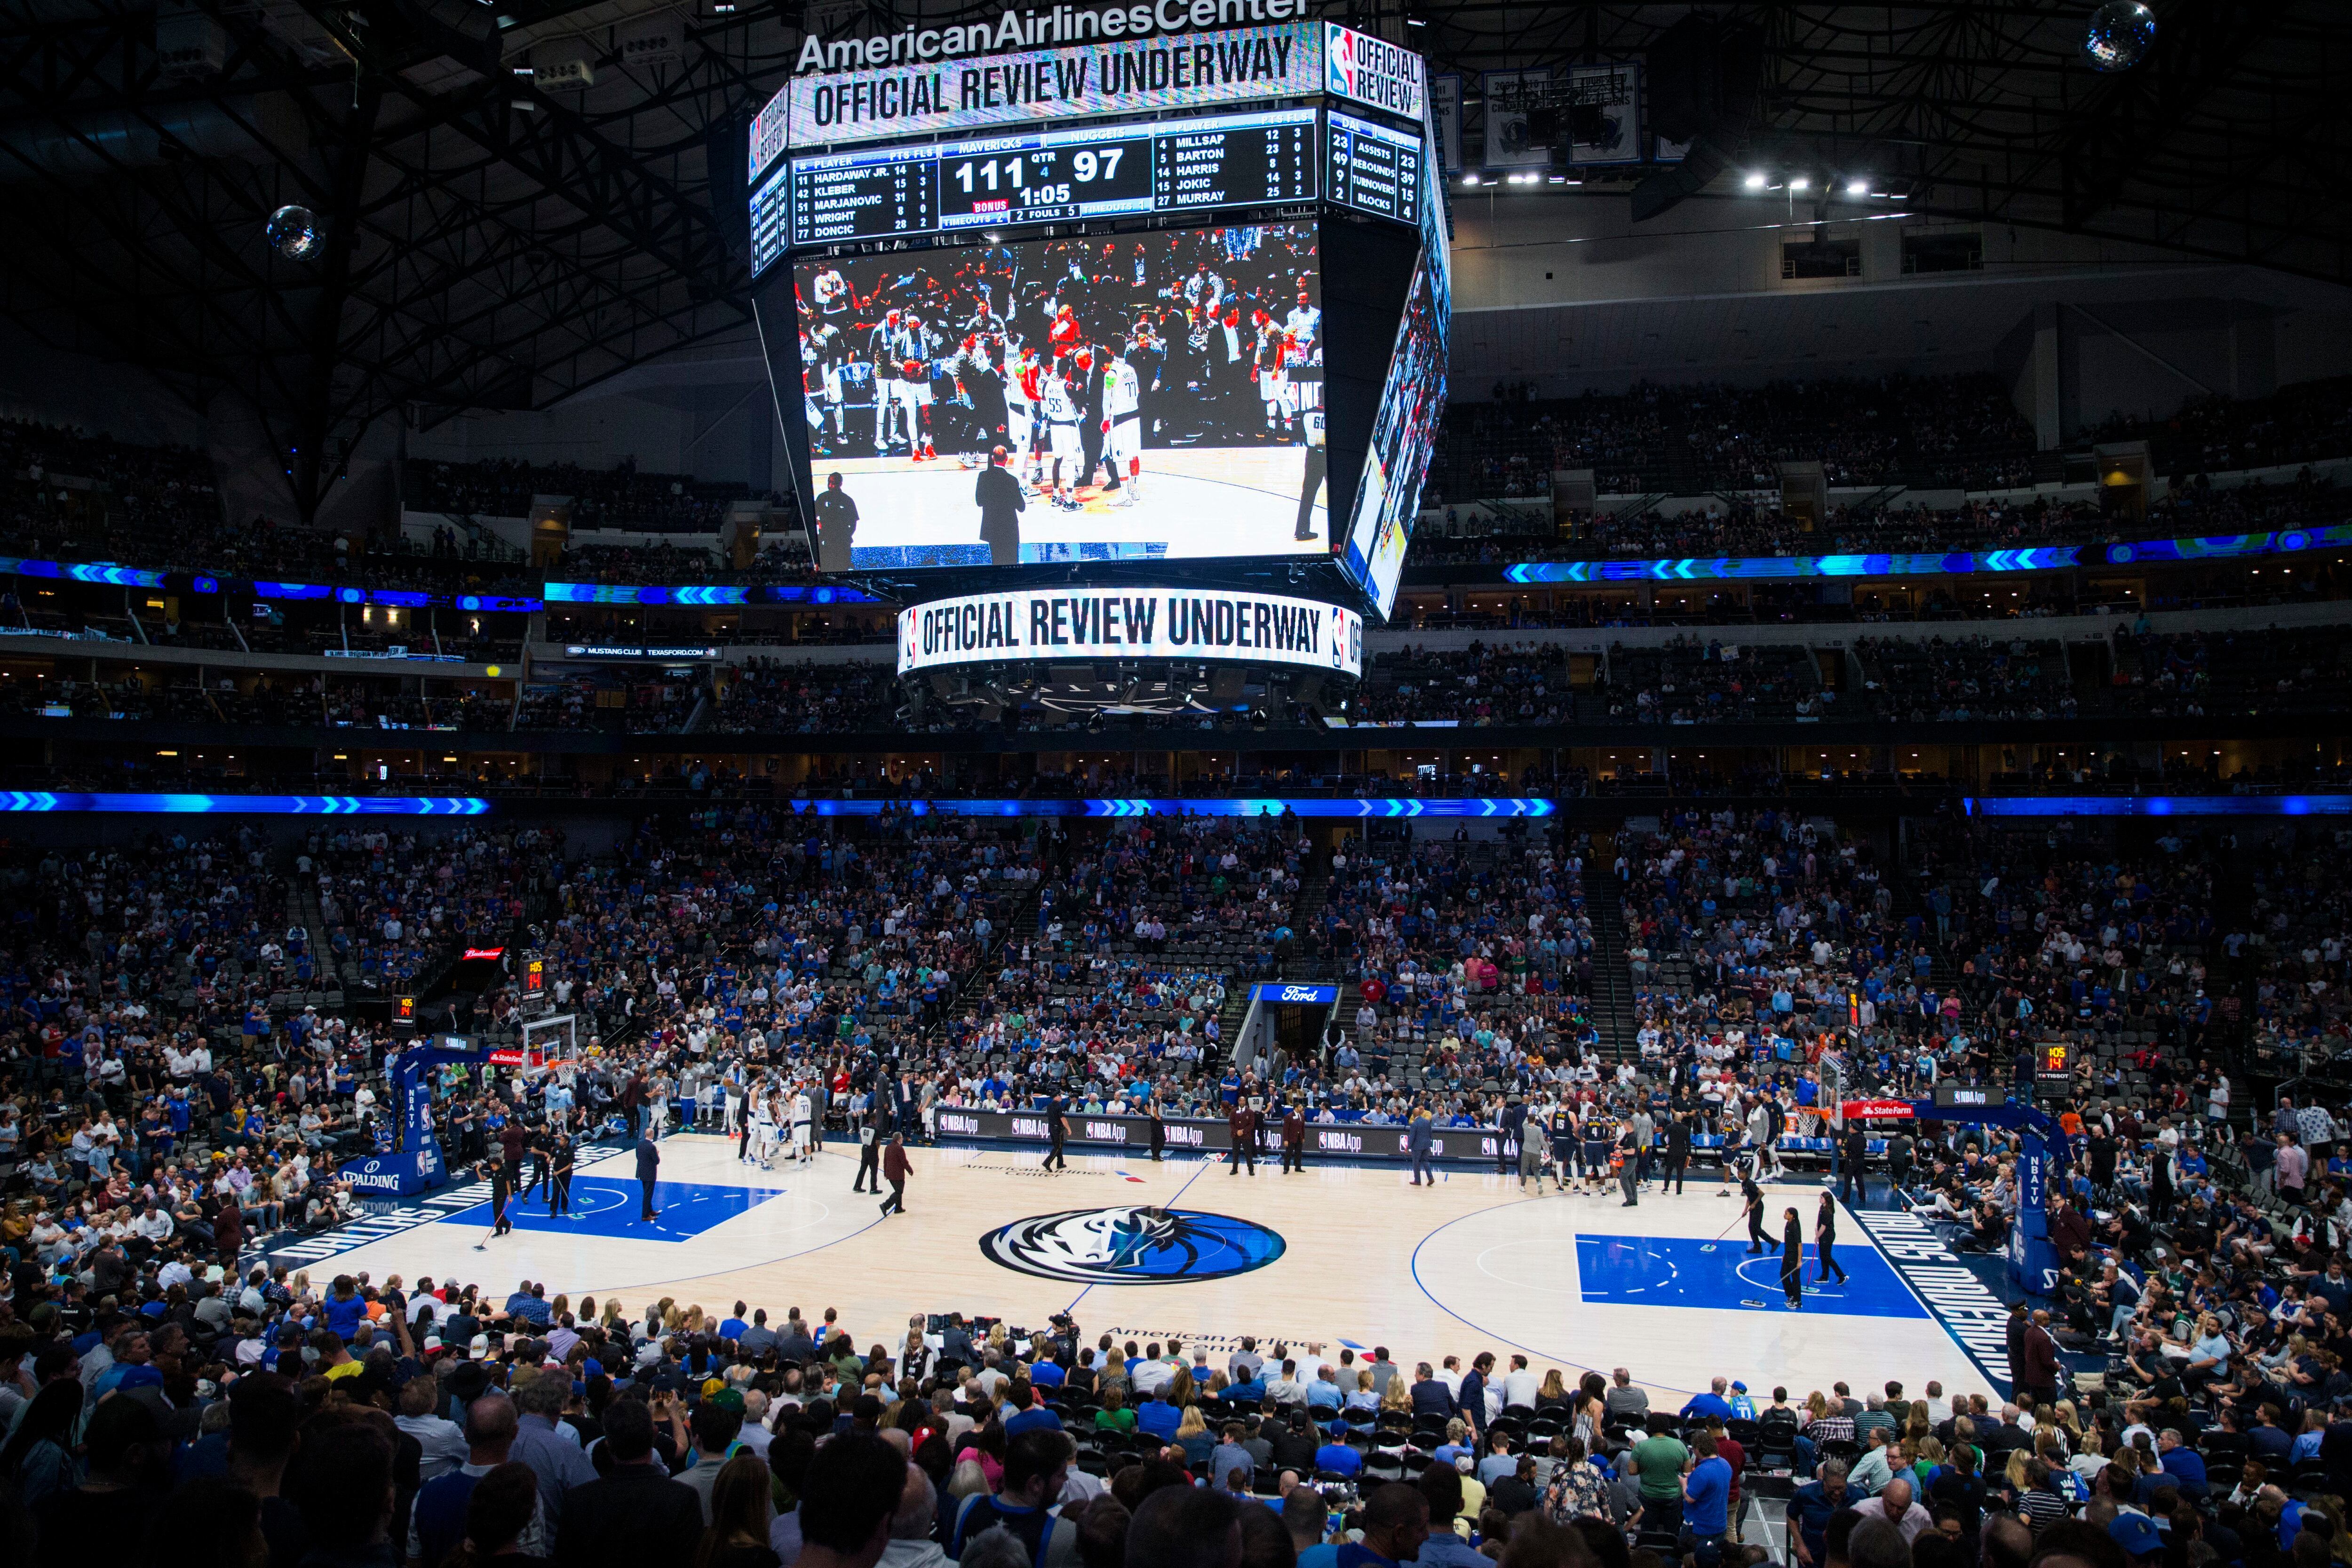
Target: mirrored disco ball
294 232
2120 36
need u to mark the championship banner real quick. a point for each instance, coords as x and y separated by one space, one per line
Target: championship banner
958 79
1138 623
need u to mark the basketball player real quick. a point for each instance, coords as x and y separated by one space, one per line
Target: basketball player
763 1130
1023 396
1123 424
1317 462
802 1109
859 398
1062 434
911 400
1267 370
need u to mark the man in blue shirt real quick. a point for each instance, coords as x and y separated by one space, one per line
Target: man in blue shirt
1323 1393
1339 1458
2185 1464
1158 1418
1810 1509
1711 1402
1706 1492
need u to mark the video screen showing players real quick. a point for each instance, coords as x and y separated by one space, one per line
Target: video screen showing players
1404 432
1153 398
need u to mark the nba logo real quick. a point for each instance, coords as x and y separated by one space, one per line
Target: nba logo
1340 43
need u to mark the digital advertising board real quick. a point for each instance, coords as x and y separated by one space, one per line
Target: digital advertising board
1387 493
1151 396
1047 175
968 78
1127 622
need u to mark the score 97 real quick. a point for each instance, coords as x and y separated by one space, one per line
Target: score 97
1034 179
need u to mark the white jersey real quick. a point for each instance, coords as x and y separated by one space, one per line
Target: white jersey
1061 408
1304 323
1124 396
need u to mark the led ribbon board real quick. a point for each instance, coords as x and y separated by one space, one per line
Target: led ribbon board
1931 564
2161 805
959 78
1276 805
105 571
611 593
1140 623
249 805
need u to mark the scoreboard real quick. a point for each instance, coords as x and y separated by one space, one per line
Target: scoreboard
1048 175
1374 168
1108 154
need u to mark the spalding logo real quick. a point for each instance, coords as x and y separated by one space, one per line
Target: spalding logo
1132 1244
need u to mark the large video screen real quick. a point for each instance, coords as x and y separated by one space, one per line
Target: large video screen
1155 397
1404 432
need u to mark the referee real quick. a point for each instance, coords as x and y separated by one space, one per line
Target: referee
501 1199
1752 1197
560 1169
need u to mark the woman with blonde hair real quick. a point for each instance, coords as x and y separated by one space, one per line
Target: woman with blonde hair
560 1305
1398 1397
968 1480
1180 1391
1193 1436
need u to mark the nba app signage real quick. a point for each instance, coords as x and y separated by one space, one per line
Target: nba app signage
1149 622
1372 70
1055 64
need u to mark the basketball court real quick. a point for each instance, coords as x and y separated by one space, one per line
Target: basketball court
1192 502
1338 1256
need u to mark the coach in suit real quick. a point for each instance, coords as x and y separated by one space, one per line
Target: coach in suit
1086 392
649 1166
998 494
984 382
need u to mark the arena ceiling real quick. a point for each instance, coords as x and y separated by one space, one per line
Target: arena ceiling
492 240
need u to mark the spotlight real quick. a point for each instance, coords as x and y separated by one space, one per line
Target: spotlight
1857 187
1754 182
2120 36
1469 179
1799 182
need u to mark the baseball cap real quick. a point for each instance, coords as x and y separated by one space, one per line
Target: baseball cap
2136 1534
480 1347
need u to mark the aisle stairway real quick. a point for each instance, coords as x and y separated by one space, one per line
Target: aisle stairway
1613 985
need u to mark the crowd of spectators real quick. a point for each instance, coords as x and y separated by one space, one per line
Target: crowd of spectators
1942 433
1696 680
1961 679
614 498
167 1111
2190 674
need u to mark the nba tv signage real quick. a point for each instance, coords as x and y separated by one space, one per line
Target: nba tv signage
1142 623
1058 64
1373 71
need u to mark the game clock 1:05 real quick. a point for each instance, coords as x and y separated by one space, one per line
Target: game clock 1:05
1044 181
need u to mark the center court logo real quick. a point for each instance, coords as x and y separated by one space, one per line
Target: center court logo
1132 1244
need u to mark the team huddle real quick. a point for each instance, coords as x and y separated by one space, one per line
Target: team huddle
779 1117
1071 359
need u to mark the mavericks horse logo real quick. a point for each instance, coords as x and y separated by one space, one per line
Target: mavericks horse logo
1132 1244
